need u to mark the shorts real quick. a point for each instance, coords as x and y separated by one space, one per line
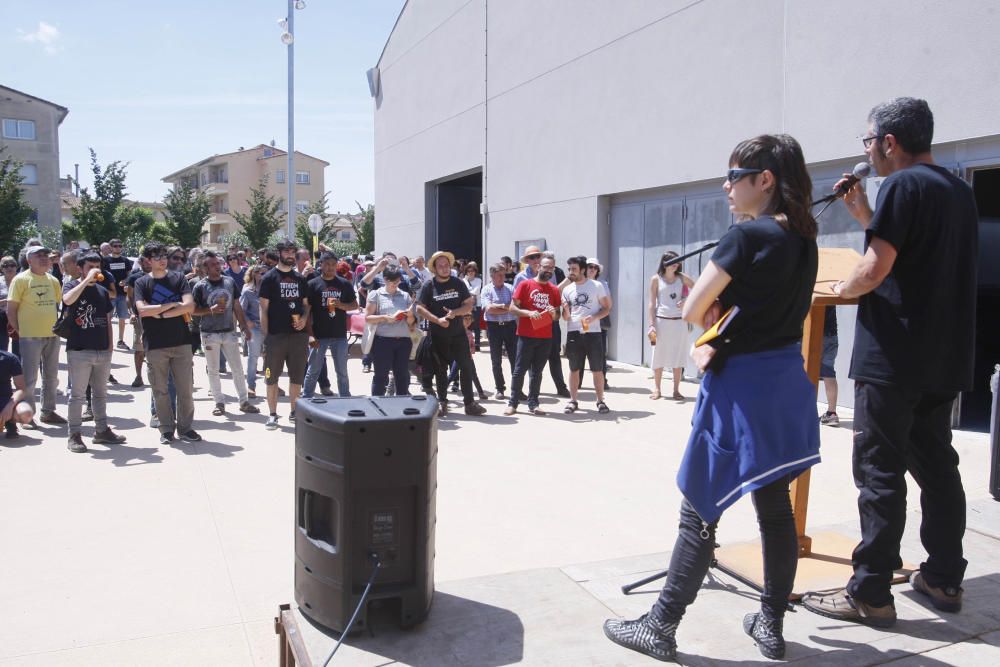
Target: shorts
137 335
121 307
830 347
287 349
581 347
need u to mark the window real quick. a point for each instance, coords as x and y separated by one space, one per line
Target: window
280 178
302 177
29 174
18 129
302 205
345 236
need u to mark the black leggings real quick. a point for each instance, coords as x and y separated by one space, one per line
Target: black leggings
695 547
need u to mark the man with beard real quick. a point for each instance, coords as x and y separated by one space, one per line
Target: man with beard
330 297
585 303
117 265
443 301
284 313
536 302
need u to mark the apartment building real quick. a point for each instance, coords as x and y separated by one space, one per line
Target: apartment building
228 178
29 132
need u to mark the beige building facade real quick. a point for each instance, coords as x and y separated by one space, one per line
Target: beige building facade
29 132
227 179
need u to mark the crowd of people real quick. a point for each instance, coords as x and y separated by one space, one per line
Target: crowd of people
755 425
287 308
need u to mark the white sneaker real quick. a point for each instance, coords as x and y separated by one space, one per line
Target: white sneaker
271 423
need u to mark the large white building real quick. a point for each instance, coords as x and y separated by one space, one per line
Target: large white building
603 128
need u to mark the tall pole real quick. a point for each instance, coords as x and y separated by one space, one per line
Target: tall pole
290 176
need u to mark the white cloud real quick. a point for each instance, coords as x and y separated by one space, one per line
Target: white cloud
46 35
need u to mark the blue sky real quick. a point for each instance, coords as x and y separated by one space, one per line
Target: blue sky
164 84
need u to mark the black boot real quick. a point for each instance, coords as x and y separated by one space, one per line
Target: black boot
645 635
766 633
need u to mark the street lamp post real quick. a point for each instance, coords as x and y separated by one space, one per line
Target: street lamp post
288 38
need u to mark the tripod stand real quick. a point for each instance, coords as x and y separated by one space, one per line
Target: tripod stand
628 588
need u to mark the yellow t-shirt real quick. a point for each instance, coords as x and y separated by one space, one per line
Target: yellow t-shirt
36 298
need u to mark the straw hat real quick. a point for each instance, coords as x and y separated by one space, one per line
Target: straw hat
442 253
530 250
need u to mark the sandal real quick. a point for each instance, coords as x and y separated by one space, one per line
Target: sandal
678 396
603 408
654 396
571 407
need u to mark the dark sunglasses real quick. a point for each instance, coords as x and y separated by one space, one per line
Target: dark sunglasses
734 175
231 259
8 266
177 258
116 245
536 256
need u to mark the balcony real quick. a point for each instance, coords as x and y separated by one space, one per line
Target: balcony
217 187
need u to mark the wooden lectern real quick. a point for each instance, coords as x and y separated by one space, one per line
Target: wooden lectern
824 558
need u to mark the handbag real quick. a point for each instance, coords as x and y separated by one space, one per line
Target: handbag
416 337
368 338
64 325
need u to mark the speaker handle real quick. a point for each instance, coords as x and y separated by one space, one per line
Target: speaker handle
307 507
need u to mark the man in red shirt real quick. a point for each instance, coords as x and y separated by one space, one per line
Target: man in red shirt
536 302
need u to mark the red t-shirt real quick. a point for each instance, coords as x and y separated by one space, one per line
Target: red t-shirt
533 295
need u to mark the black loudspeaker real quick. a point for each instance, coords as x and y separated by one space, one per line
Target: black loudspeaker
365 483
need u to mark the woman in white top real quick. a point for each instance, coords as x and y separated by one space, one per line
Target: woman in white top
667 331
475 284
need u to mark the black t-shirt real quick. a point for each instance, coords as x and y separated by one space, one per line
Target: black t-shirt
170 331
89 328
435 296
917 329
117 267
324 323
130 282
285 291
773 272
10 368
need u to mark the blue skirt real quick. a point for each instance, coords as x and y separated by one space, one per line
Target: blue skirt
753 423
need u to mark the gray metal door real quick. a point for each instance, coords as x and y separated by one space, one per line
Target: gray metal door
625 267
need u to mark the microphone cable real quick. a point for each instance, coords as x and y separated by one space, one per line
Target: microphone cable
357 610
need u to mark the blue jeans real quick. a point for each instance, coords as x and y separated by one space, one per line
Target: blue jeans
317 359
254 346
391 354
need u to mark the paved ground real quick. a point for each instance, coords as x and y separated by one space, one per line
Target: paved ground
146 555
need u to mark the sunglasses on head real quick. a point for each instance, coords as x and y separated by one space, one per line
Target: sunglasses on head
734 175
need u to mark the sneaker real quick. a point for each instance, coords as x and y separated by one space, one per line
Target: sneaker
30 426
88 414
154 422
249 409
75 443
443 409
366 368
137 382
536 410
166 437
271 423
483 396
190 436
291 416
123 347
220 409
251 393
11 429
509 410
108 437
943 598
50 417
500 396
112 380
474 409
645 635
829 419
766 634
841 606
454 388
326 391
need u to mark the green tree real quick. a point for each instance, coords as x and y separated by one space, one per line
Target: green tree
187 210
15 212
265 217
303 235
94 218
51 237
366 228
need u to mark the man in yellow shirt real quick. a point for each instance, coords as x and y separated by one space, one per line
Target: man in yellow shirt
31 311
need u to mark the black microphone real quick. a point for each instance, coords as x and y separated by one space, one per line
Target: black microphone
861 170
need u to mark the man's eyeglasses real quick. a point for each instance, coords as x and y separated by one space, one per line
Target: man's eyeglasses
154 257
867 141
734 175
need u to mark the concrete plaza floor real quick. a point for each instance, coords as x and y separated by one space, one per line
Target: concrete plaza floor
141 554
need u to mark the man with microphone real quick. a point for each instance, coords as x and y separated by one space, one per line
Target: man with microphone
913 353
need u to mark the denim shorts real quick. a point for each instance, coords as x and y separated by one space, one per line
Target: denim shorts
829 358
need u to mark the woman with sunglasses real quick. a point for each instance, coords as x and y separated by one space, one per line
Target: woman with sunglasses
668 332
755 425
8 266
250 302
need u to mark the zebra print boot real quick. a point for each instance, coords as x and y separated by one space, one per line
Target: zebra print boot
645 635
